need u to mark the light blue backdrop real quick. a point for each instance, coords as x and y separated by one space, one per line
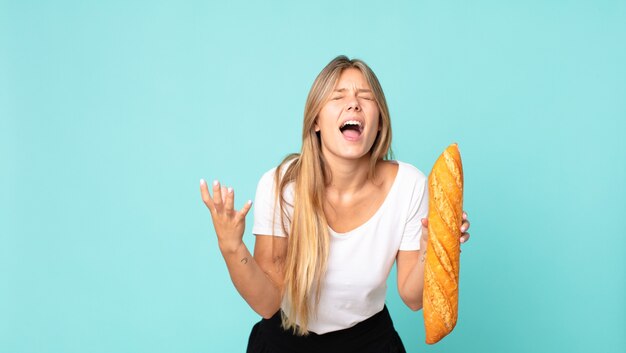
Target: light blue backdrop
112 111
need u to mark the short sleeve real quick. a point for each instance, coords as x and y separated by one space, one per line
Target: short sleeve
267 217
418 209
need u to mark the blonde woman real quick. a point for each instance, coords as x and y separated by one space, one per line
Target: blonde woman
329 224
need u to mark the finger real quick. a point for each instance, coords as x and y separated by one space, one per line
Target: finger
464 215
206 197
224 191
425 222
229 201
465 237
217 195
244 210
465 226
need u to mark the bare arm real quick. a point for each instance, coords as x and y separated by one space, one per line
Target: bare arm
258 287
411 276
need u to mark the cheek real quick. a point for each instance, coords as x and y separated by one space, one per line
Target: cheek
374 114
327 117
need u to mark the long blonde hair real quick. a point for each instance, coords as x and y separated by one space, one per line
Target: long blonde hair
308 242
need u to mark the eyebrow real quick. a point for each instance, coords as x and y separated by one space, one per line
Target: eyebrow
363 90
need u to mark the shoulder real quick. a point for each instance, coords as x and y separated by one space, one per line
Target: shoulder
268 179
268 176
283 166
414 185
410 173
266 183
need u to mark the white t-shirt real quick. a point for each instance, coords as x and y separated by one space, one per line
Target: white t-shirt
354 286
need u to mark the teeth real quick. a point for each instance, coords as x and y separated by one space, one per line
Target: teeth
351 122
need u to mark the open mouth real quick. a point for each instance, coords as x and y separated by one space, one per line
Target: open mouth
351 129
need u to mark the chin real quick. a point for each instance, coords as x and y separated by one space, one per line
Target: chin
354 155
354 152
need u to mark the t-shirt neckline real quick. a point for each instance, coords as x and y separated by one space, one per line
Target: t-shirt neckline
379 211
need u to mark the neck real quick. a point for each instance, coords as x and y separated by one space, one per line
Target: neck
348 175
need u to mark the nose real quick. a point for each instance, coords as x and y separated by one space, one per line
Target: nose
353 104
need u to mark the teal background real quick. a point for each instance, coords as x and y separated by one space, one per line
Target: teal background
112 111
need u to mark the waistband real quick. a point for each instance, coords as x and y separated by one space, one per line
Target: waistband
370 332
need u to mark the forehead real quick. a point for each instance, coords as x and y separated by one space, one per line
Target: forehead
352 78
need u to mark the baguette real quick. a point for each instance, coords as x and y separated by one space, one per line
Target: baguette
441 270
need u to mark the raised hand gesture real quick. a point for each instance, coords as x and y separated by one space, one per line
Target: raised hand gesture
229 223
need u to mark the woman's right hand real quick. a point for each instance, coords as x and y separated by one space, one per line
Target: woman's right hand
229 223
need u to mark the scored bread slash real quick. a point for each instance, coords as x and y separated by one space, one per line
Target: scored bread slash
441 270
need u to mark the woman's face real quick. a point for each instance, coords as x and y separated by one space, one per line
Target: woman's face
350 120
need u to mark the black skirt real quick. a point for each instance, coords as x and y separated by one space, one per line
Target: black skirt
374 335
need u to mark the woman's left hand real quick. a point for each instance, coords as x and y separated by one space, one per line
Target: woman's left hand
464 227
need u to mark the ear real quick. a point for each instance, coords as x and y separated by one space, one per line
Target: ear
317 127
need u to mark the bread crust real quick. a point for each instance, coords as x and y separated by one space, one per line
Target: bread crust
441 270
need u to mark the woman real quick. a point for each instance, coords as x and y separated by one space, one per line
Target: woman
329 223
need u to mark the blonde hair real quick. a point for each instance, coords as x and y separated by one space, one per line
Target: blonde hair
308 242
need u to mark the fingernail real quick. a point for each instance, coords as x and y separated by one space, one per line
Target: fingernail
215 182
230 190
202 182
249 202
462 240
